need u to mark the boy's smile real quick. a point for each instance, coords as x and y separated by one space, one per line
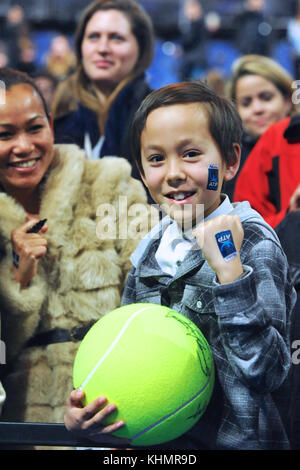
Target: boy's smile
176 151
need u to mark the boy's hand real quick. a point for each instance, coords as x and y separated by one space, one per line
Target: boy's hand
87 422
205 234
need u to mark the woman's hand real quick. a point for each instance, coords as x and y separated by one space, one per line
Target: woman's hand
30 247
87 421
295 200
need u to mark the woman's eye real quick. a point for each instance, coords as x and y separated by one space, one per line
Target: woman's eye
117 37
93 36
36 128
266 96
245 103
5 135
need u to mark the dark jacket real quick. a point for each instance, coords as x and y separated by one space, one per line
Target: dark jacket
288 232
71 127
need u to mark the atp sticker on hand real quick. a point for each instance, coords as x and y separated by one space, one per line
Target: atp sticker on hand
226 245
213 177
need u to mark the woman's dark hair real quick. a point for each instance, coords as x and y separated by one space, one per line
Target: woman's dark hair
11 77
225 124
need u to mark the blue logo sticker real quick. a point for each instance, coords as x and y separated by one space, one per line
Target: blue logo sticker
213 177
226 245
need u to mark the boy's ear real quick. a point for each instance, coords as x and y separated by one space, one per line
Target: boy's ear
233 167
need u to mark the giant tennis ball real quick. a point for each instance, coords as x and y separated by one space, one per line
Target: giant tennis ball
154 364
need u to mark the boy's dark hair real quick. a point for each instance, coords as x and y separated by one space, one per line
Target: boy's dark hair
225 124
11 77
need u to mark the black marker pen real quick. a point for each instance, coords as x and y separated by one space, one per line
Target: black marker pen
37 227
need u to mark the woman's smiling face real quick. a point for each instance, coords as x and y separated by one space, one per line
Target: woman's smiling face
260 103
26 139
109 48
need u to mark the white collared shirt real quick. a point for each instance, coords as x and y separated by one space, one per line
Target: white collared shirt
174 245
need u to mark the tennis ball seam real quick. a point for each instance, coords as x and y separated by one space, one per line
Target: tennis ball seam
152 426
111 347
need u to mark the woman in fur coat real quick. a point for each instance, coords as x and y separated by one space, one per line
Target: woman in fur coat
58 281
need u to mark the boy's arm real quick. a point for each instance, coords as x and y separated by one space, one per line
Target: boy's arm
254 313
254 318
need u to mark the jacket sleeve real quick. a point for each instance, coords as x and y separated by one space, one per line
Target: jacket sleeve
254 318
252 182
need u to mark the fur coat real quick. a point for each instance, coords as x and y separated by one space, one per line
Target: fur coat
80 279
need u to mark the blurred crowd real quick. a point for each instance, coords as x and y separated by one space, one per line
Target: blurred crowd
250 26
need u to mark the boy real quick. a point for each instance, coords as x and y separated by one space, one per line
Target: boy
235 288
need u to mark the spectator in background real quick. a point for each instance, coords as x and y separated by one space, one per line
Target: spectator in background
293 36
60 59
27 56
192 39
47 84
216 81
252 29
3 55
270 178
114 45
15 29
262 91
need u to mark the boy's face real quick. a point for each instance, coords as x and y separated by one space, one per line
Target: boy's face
177 150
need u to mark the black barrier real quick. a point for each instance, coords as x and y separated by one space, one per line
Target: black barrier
48 434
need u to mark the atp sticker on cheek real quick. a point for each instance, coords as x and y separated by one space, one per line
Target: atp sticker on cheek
213 177
226 245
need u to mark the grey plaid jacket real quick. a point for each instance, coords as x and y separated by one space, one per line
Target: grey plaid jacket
246 323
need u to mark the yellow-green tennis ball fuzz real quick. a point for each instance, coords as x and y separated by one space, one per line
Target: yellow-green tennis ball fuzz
154 364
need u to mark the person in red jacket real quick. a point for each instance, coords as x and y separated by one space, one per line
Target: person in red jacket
270 181
270 178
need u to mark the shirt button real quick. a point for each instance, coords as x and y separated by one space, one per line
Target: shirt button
199 304
178 263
